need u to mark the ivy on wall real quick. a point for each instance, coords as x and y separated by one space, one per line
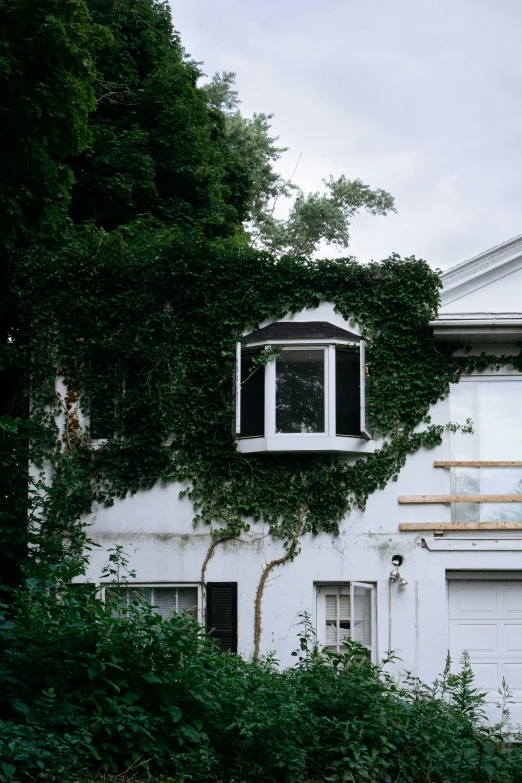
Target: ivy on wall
143 329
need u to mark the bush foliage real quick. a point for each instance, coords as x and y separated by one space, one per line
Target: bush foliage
90 687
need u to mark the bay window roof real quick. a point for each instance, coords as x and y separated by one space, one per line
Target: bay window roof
284 331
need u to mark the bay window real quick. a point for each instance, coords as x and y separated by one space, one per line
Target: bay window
301 387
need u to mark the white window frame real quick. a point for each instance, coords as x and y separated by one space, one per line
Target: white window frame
270 393
298 441
346 588
362 385
159 586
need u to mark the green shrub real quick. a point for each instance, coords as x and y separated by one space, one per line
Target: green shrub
87 691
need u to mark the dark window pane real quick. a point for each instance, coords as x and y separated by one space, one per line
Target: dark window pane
136 400
300 391
103 413
347 393
107 377
252 397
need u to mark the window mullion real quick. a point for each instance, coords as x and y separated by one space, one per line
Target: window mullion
362 372
338 623
270 398
238 388
330 390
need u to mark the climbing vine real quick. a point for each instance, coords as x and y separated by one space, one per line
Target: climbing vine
143 328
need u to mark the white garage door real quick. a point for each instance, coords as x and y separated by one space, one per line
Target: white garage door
485 618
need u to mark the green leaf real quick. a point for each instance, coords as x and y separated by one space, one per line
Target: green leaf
20 706
151 677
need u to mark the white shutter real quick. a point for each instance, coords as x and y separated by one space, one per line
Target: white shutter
331 621
337 616
331 634
344 608
238 388
344 620
188 601
164 601
362 374
331 607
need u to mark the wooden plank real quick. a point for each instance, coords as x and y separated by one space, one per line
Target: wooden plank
460 498
405 526
476 464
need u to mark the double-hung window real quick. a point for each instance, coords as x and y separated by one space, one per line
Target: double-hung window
346 612
301 387
166 601
169 600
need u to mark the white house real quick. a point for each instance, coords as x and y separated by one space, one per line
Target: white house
457 564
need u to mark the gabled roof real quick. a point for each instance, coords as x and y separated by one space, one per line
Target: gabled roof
483 317
481 270
301 330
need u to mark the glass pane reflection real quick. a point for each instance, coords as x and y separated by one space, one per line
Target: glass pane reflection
496 412
252 396
362 631
300 391
486 481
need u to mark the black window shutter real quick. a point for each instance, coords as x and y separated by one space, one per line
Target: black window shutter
222 614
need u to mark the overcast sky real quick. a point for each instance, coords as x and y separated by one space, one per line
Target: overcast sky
420 97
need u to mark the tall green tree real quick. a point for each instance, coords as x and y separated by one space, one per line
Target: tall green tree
47 75
251 142
158 147
318 217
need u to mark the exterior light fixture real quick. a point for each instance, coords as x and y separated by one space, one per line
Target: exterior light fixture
395 575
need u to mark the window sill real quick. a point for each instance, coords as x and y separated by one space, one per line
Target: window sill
299 443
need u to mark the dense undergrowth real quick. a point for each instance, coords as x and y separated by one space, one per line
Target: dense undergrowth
88 694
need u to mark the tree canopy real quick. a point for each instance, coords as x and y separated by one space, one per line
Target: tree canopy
312 218
157 146
47 73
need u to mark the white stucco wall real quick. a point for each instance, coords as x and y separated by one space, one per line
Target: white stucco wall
156 531
155 528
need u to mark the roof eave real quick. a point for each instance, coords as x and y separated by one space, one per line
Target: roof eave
478 330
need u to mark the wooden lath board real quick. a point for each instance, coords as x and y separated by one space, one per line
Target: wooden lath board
460 498
419 526
476 464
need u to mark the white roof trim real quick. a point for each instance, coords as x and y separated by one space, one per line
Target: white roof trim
478 327
493 264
